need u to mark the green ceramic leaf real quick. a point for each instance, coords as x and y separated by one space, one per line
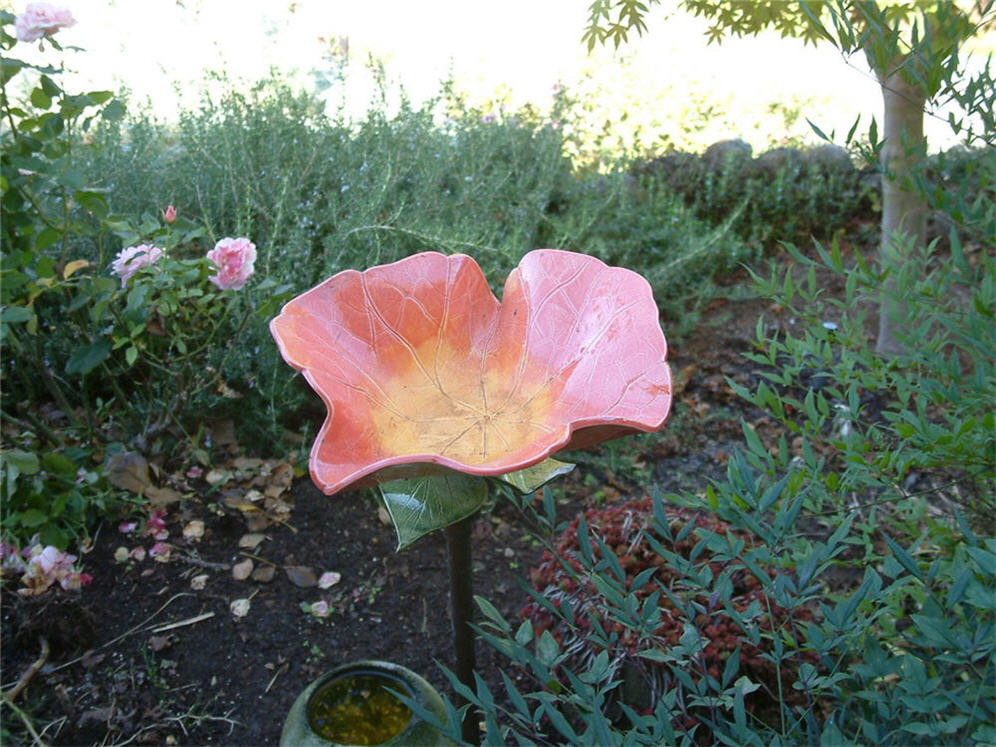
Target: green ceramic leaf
423 504
533 478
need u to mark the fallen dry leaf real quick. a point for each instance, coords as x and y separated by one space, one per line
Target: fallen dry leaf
218 476
301 576
264 574
162 496
257 521
241 571
128 470
247 464
199 582
158 642
251 541
240 608
194 530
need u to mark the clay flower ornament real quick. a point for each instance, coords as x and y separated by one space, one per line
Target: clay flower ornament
424 371
434 386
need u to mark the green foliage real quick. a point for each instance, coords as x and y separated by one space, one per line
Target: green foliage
873 499
91 360
784 194
52 494
927 416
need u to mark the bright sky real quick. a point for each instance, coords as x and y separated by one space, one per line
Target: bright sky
524 46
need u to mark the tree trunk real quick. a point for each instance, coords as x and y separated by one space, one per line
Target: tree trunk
904 211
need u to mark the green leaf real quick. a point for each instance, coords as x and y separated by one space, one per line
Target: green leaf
984 559
41 99
547 648
33 518
904 558
422 505
25 462
114 111
9 68
15 314
533 478
59 464
88 357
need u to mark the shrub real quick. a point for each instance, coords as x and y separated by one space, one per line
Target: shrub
660 587
782 195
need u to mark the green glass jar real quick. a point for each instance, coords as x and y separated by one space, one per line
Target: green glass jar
353 705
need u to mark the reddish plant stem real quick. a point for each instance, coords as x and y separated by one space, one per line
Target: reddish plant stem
461 610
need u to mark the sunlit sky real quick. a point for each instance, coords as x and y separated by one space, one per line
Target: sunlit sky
160 49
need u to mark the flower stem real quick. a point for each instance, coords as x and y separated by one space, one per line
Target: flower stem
461 609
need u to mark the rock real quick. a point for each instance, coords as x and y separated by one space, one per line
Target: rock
720 153
830 157
771 162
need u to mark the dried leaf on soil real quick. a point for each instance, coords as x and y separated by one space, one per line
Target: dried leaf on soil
301 576
128 470
240 607
162 496
251 541
241 571
264 574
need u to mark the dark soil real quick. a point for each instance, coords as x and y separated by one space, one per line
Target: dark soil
118 673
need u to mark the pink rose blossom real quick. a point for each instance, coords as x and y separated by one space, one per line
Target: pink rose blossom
50 560
156 525
41 19
131 260
45 566
234 259
169 215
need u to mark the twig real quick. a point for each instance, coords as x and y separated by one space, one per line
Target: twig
283 668
22 683
259 558
205 563
182 623
127 633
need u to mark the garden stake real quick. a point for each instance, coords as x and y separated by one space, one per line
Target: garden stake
461 611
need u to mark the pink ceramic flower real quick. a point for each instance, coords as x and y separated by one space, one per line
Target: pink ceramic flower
234 259
424 370
41 19
130 260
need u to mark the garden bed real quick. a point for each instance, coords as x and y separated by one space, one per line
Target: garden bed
141 656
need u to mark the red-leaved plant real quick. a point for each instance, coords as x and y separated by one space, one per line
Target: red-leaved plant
689 599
